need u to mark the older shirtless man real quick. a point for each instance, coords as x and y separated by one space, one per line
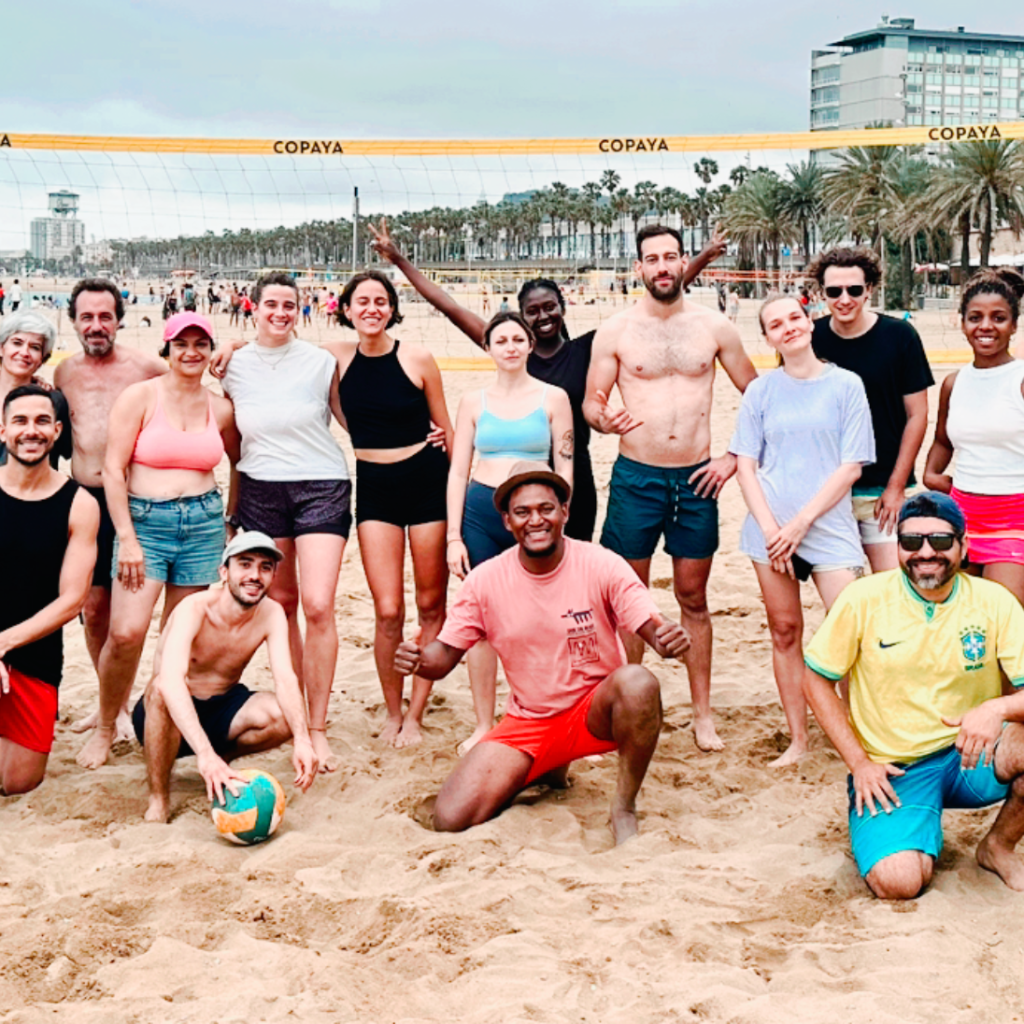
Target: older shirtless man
195 702
91 381
661 353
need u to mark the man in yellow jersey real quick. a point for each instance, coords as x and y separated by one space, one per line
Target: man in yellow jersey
928 726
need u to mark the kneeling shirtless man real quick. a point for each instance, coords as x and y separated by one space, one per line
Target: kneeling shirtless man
195 702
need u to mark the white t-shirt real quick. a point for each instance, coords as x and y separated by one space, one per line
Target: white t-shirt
282 408
15 293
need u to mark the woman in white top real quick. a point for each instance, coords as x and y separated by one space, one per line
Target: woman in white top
292 481
802 435
981 421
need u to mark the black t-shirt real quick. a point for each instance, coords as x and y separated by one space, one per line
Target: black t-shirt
890 360
567 369
33 559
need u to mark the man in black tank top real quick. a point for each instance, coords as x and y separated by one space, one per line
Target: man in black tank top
48 524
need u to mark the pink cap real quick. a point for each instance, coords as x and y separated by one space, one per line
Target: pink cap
177 323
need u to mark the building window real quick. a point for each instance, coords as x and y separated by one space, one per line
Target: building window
990 101
954 58
915 77
933 79
915 119
972 79
991 62
932 119
952 101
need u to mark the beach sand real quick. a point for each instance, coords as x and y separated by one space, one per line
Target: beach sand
738 902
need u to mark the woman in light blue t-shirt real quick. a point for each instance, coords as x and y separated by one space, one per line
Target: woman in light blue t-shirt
802 435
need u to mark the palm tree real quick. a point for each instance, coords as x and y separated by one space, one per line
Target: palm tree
803 198
863 189
592 195
705 169
756 215
978 183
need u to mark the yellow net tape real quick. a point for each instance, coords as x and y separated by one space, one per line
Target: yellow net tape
517 147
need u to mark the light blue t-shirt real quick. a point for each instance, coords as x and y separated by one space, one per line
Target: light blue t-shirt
800 432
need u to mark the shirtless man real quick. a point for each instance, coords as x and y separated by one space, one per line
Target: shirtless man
90 382
661 353
195 702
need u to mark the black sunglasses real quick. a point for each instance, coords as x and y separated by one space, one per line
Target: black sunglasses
937 541
855 291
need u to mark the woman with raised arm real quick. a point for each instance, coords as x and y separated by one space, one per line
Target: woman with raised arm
802 435
390 394
516 417
981 421
292 482
26 341
166 437
556 359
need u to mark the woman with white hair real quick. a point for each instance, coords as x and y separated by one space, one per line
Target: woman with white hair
26 341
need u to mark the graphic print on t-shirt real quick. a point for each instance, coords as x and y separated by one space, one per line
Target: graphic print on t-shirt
582 637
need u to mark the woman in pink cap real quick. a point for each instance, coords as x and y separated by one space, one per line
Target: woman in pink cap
166 437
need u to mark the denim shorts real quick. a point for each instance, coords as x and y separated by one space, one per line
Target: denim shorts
182 539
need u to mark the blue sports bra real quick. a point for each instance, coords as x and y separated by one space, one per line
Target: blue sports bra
528 437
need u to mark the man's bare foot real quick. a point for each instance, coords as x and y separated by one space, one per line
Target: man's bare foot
410 734
97 747
159 810
328 761
705 734
389 734
123 728
1001 859
624 824
793 753
467 745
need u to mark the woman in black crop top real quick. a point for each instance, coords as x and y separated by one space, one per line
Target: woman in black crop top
389 398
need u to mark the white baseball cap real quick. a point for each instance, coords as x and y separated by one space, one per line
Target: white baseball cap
251 540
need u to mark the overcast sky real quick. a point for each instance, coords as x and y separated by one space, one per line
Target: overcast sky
399 69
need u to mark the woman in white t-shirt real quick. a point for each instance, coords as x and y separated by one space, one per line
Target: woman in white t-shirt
292 481
802 435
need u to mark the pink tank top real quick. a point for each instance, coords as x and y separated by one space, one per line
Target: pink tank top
162 446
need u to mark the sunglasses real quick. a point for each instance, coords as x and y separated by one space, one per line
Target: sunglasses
855 291
937 541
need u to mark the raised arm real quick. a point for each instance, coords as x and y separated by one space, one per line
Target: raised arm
289 696
941 452
126 418
73 588
716 247
467 321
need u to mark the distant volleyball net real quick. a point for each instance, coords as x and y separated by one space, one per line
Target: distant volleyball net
480 217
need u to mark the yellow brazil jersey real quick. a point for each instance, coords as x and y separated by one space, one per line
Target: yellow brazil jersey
913 662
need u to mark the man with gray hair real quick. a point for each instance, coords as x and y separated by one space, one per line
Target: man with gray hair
26 342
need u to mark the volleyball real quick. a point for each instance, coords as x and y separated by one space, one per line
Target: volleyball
255 813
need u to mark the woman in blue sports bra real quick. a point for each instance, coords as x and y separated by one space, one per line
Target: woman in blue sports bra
516 417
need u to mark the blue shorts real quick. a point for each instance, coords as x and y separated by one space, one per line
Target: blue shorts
182 539
929 785
645 502
483 529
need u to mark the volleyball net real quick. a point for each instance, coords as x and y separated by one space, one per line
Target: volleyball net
479 217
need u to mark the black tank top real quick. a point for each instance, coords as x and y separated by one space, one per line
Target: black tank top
382 407
35 537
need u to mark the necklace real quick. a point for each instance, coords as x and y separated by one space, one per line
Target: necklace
273 363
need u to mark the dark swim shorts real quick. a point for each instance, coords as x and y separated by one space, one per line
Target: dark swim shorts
215 716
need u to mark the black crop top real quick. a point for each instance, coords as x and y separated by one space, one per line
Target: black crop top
382 407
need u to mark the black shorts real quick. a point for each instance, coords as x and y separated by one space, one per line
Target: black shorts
583 507
215 716
404 493
291 509
102 575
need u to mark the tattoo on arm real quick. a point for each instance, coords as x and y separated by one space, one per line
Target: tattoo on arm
566 449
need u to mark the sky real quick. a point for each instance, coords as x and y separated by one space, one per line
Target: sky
399 69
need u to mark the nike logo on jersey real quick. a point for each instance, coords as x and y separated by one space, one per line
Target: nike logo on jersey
884 646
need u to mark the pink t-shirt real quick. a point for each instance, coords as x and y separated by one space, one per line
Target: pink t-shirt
556 634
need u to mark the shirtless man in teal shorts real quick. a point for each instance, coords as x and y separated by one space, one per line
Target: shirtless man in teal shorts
928 726
661 353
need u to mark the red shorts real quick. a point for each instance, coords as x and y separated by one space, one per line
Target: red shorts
28 713
551 742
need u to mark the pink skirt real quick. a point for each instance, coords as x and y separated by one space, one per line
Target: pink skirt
995 526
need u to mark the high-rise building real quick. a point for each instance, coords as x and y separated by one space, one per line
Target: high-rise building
899 74
57 236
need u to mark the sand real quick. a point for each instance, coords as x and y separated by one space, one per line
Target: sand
738 902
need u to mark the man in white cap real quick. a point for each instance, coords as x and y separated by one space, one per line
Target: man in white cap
551 607
195 702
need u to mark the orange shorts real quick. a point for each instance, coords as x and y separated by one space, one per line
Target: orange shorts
28 713
551 742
